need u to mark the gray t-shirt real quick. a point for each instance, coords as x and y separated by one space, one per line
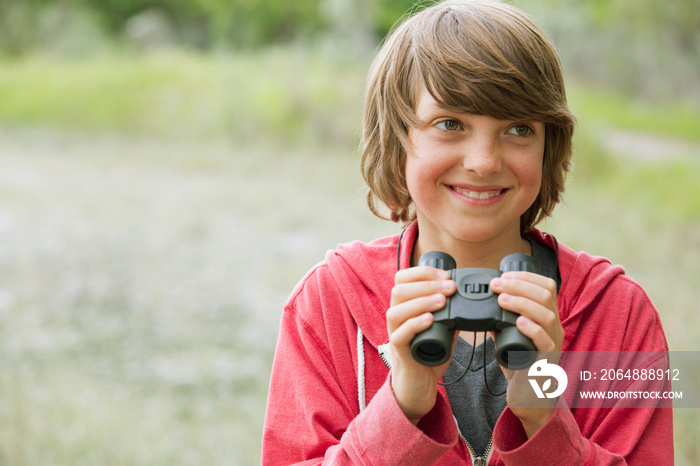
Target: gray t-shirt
474 408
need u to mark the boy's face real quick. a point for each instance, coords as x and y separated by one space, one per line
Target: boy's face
470 176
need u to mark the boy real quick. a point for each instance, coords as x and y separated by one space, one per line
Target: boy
467 140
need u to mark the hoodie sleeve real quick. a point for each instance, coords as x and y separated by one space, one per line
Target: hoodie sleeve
645 434
312 412
618 316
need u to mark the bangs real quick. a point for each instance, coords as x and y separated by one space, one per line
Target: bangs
468 63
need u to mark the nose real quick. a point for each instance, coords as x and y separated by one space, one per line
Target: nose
482 155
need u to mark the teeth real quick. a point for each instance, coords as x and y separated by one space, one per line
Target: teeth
478 194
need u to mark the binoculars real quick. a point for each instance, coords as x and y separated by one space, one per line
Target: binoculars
474 307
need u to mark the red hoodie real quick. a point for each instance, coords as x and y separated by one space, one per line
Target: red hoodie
315 411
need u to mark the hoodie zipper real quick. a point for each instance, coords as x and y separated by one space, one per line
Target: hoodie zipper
477 460
385 354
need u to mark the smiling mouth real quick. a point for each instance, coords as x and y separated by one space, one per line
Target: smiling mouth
477 194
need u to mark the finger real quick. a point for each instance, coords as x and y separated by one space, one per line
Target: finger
527 280
397 315
420 273
531 285
534 298
407 291
536 312
401 337
540 337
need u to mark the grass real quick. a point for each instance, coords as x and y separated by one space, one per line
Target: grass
155 212
616 110
293 94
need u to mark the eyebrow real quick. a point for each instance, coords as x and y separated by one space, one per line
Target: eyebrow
434 106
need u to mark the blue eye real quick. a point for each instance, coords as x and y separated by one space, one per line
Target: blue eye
520 130
449 125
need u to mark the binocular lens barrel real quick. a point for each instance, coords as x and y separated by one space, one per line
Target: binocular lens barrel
513 349
433 346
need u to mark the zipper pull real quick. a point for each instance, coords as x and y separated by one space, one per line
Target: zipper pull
480 461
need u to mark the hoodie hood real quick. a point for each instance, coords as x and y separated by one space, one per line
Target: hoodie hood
363 270
367 270
583 279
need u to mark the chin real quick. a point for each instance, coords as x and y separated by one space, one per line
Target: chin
477 231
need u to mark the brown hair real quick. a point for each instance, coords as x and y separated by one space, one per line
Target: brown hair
481 57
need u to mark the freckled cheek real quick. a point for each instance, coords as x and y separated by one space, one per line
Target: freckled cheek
535 178
413 178
530 176
422 178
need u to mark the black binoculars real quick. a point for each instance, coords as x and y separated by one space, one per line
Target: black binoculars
474 307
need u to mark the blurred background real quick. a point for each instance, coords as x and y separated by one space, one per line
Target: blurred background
169 169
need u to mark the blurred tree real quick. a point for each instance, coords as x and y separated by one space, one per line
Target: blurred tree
350 28
388 12
643 48
18 21
205 24
650 47
678 20
209 23
658 41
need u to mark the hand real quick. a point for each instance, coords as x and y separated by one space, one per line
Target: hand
418 292
534 297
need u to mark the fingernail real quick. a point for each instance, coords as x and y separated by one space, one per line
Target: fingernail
496 282
523 321
447 285
505 297
426 317
508 275
437 298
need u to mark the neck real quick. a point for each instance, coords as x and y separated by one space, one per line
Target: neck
487 253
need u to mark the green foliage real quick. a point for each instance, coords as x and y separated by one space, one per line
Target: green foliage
618 110
18 24
284 93
203 24
658 187
650 48
659 191
388 12
680 18
207 23
646 48
677 22
97 94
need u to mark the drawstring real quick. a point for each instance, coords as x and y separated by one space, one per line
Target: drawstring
468 365
361 397
361 370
